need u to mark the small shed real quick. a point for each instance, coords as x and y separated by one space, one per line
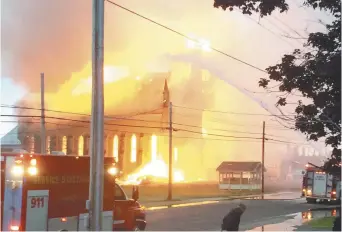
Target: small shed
240 175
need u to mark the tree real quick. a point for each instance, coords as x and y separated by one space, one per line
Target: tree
314 72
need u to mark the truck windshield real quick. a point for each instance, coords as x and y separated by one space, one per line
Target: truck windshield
119 193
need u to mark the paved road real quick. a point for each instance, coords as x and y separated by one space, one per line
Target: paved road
209 216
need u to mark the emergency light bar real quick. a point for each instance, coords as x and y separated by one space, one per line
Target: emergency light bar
18 169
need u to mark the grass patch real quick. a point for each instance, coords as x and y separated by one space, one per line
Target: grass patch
326 222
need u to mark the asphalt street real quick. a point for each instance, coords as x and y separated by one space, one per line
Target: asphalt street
208 216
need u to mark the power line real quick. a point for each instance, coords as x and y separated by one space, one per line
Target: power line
185 36
270 31
284 117
70 127
273 126
239 139
75 113
141 120
219 135
230 112
123 125
77 120
218 129
130 119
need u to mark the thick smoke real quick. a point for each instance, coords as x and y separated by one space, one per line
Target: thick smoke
44 36
54 36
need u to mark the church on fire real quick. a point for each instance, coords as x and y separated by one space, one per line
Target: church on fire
134 138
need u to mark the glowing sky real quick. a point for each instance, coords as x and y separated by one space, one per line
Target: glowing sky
61 46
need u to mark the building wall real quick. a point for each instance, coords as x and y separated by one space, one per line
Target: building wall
55 143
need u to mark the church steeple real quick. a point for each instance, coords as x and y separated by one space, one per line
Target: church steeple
166 94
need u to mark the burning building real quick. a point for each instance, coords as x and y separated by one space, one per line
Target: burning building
136 127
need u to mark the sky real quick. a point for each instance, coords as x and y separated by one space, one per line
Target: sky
10 94
54 37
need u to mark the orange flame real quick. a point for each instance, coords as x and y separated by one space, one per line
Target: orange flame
157 169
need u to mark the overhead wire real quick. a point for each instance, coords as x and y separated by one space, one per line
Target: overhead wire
237 139
284 117
75 113
270 31
141 120
122 125
185 36
125 125
230 112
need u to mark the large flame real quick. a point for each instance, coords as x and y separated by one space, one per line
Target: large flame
157 169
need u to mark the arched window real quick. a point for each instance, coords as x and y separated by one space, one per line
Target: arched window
154 146
175 153
64 144
80 145
31 144
48 144
134 149
116 148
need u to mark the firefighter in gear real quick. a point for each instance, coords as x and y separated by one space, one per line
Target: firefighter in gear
231 221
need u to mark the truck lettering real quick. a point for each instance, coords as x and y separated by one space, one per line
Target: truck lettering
37 202
58 179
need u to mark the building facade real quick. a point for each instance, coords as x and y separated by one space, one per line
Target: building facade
137 137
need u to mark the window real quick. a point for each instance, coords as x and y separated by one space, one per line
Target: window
236 175
48 144
119 194
31 144
154 144
64 144
116 148
175 151
246 175
80 145
134 149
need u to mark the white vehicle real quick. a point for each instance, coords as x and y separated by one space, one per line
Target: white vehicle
320 186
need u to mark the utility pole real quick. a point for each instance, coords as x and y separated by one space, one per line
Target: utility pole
95 202
42 117
263 161
169 196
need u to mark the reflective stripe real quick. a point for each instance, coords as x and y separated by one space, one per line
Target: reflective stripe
115 222
140 220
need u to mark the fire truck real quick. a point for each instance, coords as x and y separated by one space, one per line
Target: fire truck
49 192
320 186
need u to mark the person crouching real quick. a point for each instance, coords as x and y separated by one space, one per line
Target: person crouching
231 221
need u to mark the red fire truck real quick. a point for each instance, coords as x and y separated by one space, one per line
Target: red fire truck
49 192
320 186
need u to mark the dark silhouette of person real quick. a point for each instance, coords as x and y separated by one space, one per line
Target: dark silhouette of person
231 221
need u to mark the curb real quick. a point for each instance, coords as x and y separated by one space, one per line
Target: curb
198 201
192 202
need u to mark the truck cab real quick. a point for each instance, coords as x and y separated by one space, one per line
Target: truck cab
49 192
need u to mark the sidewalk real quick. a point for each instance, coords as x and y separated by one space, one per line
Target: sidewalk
194 201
